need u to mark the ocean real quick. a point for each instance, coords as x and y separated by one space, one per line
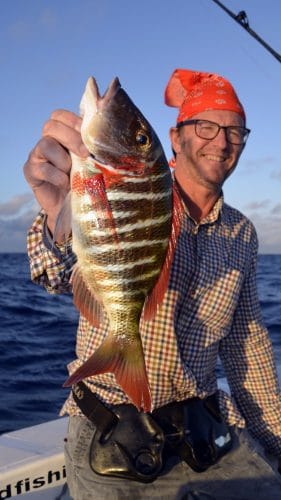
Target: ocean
38 339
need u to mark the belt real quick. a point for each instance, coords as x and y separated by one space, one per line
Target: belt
192 429
104 419
126 443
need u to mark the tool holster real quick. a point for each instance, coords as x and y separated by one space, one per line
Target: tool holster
136 445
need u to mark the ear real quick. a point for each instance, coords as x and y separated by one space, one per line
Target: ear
175 139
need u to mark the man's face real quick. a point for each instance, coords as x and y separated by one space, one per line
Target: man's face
202 161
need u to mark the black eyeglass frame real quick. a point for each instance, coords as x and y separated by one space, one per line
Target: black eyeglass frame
194 122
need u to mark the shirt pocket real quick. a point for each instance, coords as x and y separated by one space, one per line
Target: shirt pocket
216 298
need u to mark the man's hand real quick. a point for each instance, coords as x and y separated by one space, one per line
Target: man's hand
48 166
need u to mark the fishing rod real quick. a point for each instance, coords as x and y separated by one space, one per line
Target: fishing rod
242 19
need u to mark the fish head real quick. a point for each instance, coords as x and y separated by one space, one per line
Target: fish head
115 131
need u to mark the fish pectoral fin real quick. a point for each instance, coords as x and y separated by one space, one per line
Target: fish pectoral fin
125 360
95 186
156 296
85 299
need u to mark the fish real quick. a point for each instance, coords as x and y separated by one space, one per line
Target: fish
125 218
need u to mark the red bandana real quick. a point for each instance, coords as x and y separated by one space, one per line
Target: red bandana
193 92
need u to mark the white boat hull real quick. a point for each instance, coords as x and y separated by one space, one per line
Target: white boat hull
32 462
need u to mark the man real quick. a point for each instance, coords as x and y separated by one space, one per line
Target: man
210 309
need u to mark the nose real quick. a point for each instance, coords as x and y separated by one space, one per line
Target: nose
220 139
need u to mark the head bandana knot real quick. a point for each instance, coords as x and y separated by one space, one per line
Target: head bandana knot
194 91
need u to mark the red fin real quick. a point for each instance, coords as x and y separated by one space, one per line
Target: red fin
86 300
111 179
156 296
126 361
95 186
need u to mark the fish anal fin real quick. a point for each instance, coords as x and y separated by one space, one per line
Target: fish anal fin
125 360
156 296
85 299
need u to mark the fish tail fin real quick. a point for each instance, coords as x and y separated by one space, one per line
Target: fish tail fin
126 361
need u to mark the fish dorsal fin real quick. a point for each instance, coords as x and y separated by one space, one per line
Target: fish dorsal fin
156 296
86 300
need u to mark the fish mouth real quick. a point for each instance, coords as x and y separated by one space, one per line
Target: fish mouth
99 162
93 107
98 101
109 121
103 101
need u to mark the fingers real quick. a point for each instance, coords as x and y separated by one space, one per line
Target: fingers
37 175
49 150
65 126
68 118
48 166
49 162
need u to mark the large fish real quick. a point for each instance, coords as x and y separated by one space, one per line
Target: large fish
123 233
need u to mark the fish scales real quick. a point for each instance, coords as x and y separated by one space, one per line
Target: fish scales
100 241
102 251
122 203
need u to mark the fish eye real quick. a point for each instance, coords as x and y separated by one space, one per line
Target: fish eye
142 138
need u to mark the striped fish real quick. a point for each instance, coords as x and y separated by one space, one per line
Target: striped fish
122 226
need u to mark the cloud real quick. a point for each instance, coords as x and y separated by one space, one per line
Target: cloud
12 229
45 20
16 204
48 18
257 205
260 162
16 216
266 217
268 229
276 209
276 174
20 29
254 165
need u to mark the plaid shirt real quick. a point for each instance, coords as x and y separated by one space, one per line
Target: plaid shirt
210 311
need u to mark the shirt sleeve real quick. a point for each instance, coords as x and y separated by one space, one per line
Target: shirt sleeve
50 264
248 360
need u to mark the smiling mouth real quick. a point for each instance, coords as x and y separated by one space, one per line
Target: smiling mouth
213 157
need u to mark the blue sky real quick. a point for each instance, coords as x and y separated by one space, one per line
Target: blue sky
48 49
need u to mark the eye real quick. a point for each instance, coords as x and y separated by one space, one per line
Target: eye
207 126
235 132
142 138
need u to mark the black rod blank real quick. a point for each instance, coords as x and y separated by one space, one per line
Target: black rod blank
241 18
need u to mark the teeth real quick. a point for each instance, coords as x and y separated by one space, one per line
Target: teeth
215 157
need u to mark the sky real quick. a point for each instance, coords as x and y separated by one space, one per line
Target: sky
49 48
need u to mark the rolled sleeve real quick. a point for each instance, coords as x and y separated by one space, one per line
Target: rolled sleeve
50 264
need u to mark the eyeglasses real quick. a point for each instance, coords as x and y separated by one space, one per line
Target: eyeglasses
209 130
